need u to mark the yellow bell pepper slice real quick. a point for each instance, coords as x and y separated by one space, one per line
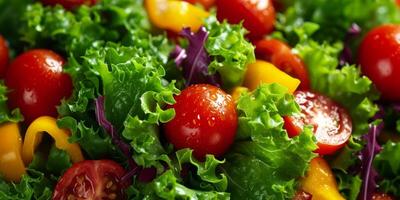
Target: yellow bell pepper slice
320 182
34 135
265 72
237 92
174 15
11 165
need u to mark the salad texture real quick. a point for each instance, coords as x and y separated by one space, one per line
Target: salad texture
200 99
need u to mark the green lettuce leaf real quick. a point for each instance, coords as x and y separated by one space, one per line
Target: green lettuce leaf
264 163
229 50
387 163
349 185
167 186
335 17
205 171
33 186
73 32
5 114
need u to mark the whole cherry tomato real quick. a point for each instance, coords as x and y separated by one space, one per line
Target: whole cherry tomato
92 179
205 121
380 61
258 16
37 83
332 125
3 56
280 54
69 4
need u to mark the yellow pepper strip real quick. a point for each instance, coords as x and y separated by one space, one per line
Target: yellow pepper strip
237 92
174 15
320 182
11 164
34 135
265 72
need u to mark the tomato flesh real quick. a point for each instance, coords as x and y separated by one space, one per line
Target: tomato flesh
280 55
92 180
69 4
258 16
205 121
331 124
381 196
3 56
380 61
37 83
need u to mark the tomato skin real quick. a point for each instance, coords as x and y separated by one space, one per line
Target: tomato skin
91 179
381 196
37 83
331 123
380 61
258 16
69 4
280 54
4 55
205 121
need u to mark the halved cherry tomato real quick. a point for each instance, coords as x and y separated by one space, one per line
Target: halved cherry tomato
258 16
280 54
380 61
381 196
69 4
91 179
332 125
206 3
3 56
205 121
37 83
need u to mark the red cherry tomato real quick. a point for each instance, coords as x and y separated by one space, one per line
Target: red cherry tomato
205 121
3 56
280 54
206 3
380 61
381 196
258 16
69 4
91 179
331 124
37 83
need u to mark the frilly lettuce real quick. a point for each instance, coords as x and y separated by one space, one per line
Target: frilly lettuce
264 163
5 114
230 52
387 163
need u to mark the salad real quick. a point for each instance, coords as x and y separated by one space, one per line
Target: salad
200 99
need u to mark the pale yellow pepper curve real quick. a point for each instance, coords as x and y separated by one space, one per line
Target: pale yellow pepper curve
265 72
48 125
174 15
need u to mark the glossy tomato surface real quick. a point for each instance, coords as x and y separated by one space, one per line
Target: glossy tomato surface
3 56
280 55
37 83
331 123
91 180
258 16
205 121
381 196
379 57
69 4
